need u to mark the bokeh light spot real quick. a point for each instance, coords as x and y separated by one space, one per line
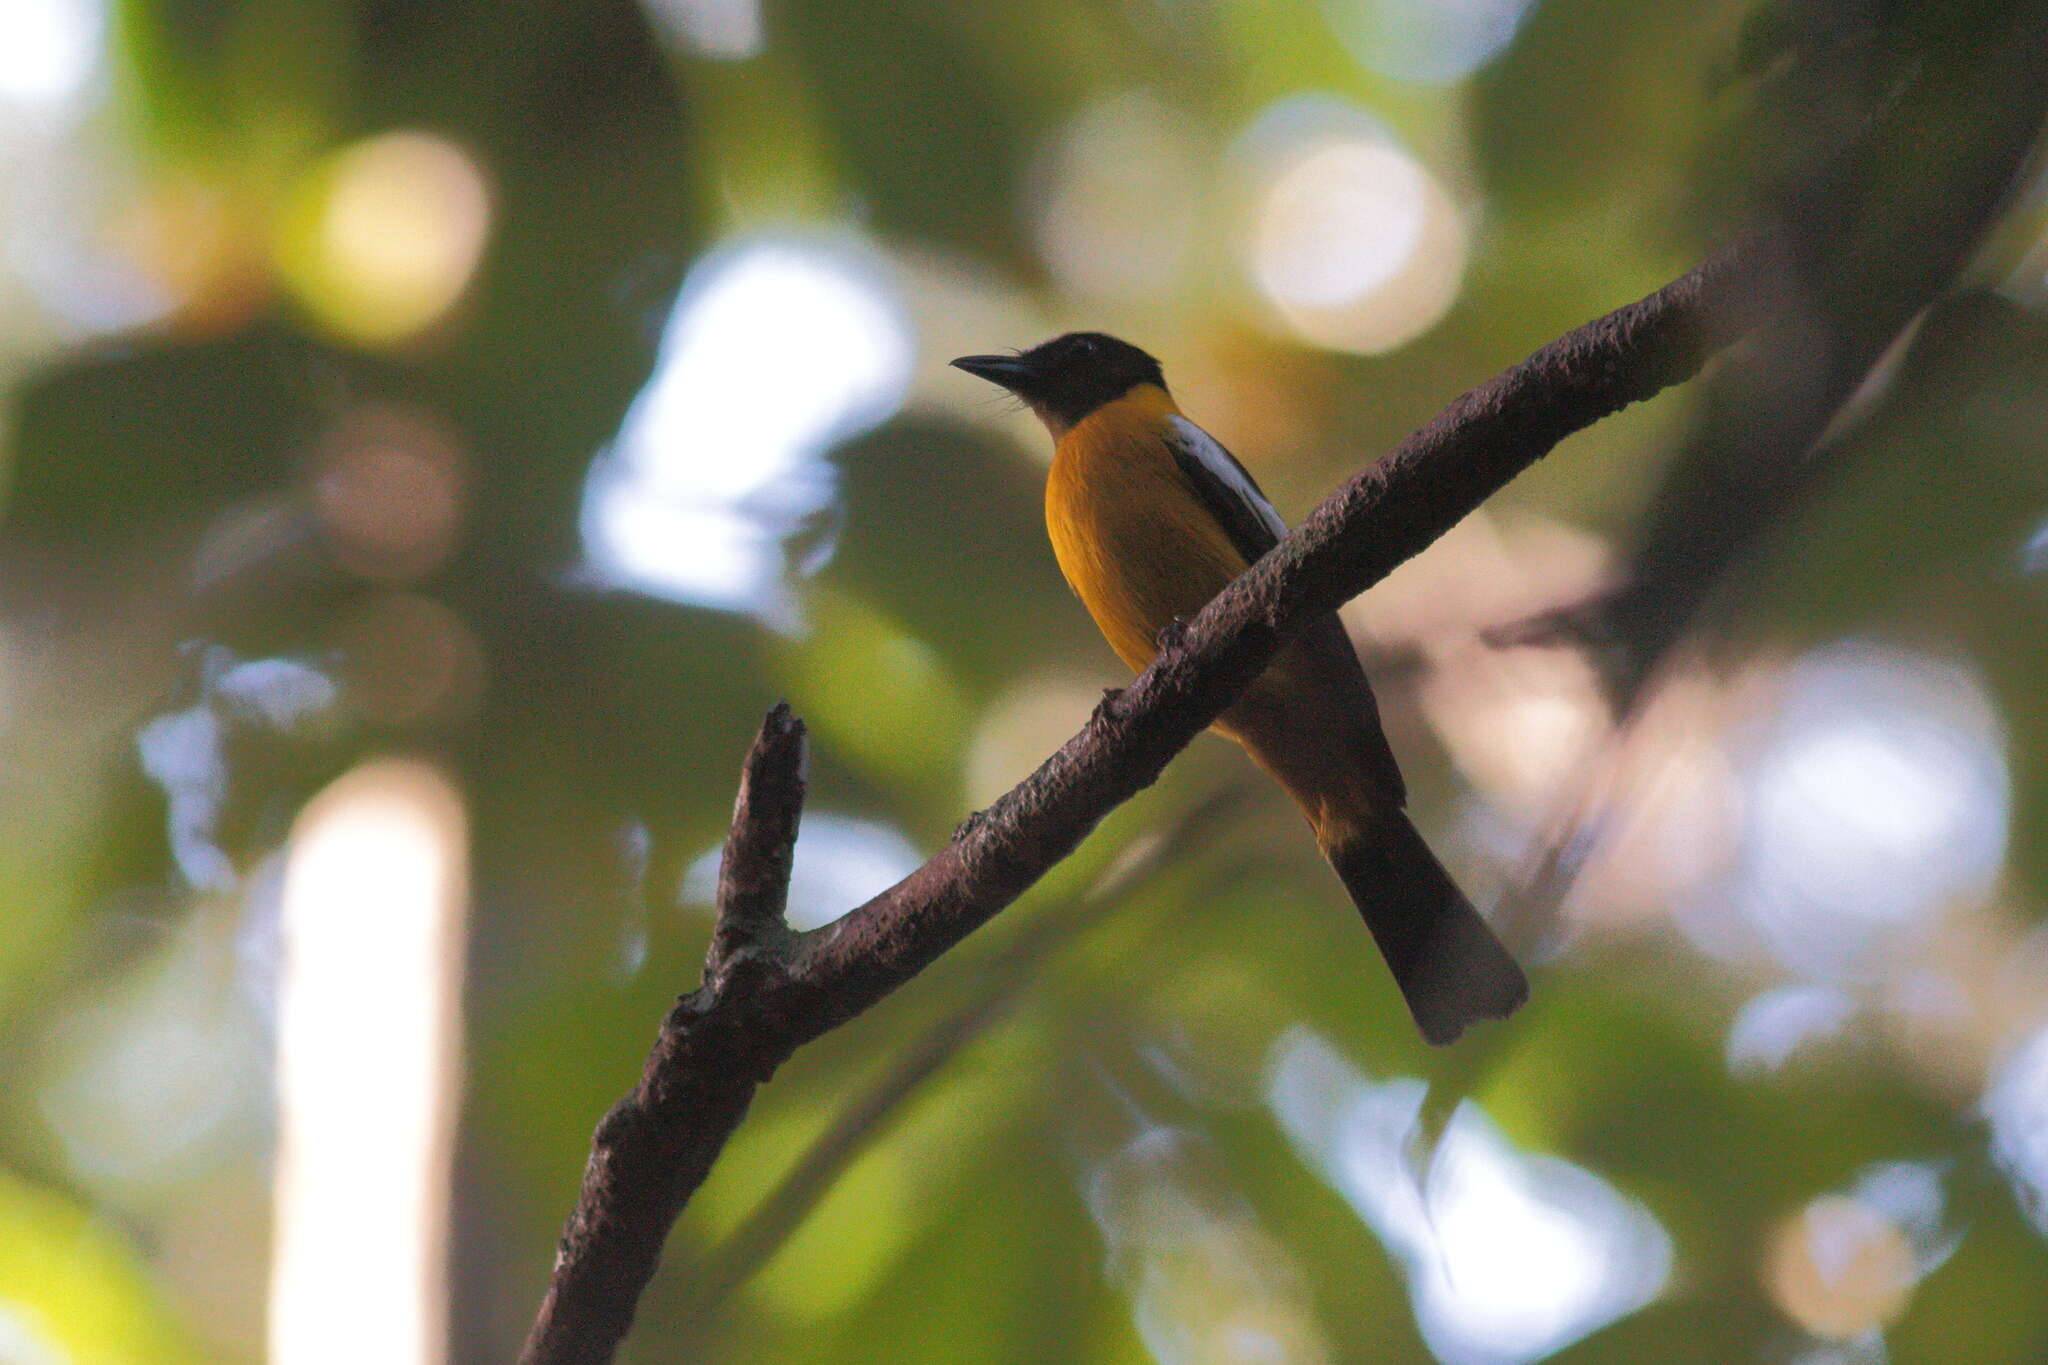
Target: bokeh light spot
408 659
23 1341
2016 1106
185 752
1353 243
70 244
48 49
776 350
159 1078
388 489
728 30
1876 793
1841 1268
1116 218
1775 1024
385 236
1339 223
374 899
1510 1256
1208 1284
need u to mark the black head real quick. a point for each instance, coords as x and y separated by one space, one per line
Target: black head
1070 376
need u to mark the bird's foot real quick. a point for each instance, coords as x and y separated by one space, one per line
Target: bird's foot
1172 632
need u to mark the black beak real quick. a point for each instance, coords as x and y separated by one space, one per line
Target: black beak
1007 371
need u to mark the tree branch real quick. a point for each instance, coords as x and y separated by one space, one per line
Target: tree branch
774 991
753 869
657 1144
1000 982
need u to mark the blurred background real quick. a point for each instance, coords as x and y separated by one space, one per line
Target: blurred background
435 432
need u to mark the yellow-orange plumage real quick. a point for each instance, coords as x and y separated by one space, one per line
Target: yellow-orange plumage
1140 549
1149 520
1129 532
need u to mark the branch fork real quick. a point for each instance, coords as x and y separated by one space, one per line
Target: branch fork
715 1048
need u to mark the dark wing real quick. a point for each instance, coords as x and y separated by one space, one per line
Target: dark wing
1225 488
1233 497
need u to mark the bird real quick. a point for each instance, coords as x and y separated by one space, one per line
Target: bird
1150 517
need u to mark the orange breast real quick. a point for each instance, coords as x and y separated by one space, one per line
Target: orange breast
1138 546
1129 532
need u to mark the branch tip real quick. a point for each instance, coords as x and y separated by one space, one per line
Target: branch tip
753 872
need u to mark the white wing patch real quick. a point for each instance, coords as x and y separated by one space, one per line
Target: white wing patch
1227 470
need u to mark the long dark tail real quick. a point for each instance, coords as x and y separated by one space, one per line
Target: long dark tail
1451 969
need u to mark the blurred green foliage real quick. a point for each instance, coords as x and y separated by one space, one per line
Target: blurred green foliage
163 487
